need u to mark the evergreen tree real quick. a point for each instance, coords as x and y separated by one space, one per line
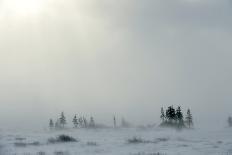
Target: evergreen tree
162 116
91 123
51 124
115 122
57 124
75 121
189 118
179 114
62 119
171 114
230 121
179 117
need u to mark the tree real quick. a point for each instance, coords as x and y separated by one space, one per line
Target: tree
189 118
57 124
171 114
115 122
230 121
62 119
75 121
91 123
162 116
179 117
51 124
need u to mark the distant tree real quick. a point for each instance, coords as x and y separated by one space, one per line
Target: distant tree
51 124
75 121
230 121
62 119
171 114
179 117
189 118
91 123
115 122
162 116
57 124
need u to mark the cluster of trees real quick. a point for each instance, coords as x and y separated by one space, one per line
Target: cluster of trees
82 122
174 118
78 122
170 118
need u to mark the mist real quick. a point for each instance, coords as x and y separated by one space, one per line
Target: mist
124 58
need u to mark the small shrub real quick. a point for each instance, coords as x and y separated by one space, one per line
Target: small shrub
135 140
62 138
22 144
36 143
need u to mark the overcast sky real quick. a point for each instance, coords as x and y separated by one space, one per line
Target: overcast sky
114 57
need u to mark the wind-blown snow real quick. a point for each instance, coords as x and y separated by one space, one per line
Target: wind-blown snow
115 142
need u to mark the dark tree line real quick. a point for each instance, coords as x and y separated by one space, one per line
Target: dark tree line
78 122
174 118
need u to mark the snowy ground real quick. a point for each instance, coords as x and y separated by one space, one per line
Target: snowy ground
114 142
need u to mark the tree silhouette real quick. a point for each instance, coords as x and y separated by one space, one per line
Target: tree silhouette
179 117
171 114
115 122
189 118
62 119
51 124
75 121
162 116
57 124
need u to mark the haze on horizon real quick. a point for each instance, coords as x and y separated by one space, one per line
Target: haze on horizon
126 58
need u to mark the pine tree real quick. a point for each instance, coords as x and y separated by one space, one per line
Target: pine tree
230 121
171 114
179 117
189 119
51 124
62 119
75 121
91 123
57 124
162 116
115 122
179 114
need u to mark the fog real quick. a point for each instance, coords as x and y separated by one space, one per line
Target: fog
114 57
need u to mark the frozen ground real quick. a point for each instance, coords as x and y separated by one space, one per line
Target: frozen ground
115 142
